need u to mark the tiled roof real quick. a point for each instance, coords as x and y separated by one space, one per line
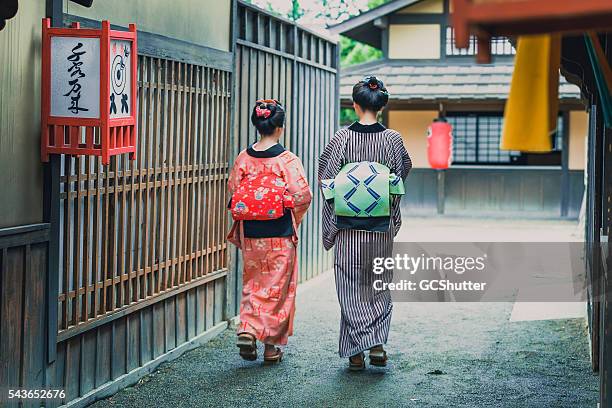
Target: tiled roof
440 82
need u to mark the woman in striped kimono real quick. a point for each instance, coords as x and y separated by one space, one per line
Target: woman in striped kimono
269 246
365 314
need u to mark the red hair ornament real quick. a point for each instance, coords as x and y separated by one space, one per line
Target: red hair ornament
262 112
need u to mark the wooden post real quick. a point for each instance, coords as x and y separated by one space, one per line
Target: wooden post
565 181
441 174
51 214
231 285
462 34
483 55
593 234
440 179
605 355
605 328
104 92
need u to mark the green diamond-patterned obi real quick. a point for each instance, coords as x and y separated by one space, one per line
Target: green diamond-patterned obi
363 190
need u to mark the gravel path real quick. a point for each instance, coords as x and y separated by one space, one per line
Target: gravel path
441 355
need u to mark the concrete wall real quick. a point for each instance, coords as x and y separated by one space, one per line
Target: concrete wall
20 166
413 127
579 129
428 6
202 22
414 41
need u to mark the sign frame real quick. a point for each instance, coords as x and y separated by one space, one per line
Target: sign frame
76 136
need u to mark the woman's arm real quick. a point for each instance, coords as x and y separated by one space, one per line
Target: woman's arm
402 165
401 159
330 161
236 174
235 177
330 164
297 184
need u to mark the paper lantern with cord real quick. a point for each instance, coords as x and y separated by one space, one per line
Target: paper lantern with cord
439 144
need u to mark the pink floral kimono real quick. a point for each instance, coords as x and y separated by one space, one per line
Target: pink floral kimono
270 268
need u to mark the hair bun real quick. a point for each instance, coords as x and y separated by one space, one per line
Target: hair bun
264 108
267 115
262 111
370 93
372 82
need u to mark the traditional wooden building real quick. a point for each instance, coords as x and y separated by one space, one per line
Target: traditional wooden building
428 76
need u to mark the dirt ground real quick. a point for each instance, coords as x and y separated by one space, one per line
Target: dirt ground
441 354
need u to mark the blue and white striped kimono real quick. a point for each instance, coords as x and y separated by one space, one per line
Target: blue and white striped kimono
365 314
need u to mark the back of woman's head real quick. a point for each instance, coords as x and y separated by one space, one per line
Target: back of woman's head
267 116
370 93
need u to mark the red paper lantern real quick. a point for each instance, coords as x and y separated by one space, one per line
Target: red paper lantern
89 91
439 144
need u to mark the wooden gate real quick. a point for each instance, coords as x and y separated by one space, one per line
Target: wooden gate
276 58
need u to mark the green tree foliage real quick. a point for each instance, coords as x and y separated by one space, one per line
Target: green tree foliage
296 10
375 3
353 52
347 116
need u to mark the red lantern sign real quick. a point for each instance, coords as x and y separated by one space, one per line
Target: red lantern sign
439 144
88 91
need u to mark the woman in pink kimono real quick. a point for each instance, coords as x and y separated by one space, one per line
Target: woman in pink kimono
269 245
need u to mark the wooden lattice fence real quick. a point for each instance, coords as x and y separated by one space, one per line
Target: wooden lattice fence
137 229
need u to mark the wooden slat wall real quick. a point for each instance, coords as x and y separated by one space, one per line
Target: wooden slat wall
277 59
144 258
528 191
111 351
594 223
23 275
137 229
